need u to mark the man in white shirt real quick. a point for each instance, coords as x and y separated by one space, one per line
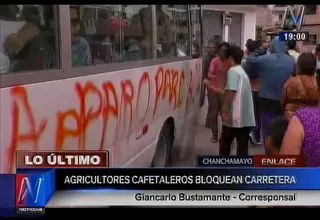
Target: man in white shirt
291 45
237 108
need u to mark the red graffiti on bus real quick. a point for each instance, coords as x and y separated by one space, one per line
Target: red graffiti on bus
165 85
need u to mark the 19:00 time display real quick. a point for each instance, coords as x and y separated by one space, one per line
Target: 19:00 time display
295 36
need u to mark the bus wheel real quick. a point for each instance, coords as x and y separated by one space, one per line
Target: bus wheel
162 156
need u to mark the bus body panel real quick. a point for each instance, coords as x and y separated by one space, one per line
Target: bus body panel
121 111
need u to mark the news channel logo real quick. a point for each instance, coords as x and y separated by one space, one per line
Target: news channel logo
33 191
293 18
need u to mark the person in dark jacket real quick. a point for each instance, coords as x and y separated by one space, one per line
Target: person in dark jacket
211 53
248 43
255 135
273 69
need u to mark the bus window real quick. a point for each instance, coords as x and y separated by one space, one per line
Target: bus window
80 49
195 30
172 30
137 33
110 33
28 38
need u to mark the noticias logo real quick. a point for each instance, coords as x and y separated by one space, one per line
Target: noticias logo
29 194
30 210
32 193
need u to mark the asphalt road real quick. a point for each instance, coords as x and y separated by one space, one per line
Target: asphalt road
203 145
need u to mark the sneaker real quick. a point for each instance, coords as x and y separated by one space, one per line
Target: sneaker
252 139
214 140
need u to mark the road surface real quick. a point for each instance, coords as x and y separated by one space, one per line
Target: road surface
204 146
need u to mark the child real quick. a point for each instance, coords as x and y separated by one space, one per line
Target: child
275 133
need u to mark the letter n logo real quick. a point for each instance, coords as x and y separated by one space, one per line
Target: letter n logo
28 190
293 18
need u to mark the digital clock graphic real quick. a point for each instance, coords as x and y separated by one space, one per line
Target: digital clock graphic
293 36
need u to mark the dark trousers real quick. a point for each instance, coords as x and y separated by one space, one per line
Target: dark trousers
256 130
227 136
266 118
209 112
214 108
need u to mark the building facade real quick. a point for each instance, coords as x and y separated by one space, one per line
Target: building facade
241 27
270 18
268 15
311 24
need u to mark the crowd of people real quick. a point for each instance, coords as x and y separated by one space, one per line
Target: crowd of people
267 95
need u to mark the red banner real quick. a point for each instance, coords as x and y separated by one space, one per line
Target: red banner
279 161
44 159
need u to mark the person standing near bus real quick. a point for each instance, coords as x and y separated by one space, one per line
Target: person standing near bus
301 90
255 134
217 77
211 53
303 134
274 69
292 50
237 109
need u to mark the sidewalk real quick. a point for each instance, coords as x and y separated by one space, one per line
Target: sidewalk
203 145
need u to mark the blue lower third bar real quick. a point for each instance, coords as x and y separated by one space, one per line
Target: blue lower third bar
230 161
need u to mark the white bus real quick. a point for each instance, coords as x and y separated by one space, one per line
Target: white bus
123 78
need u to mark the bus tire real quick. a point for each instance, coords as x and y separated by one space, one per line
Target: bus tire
162 155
